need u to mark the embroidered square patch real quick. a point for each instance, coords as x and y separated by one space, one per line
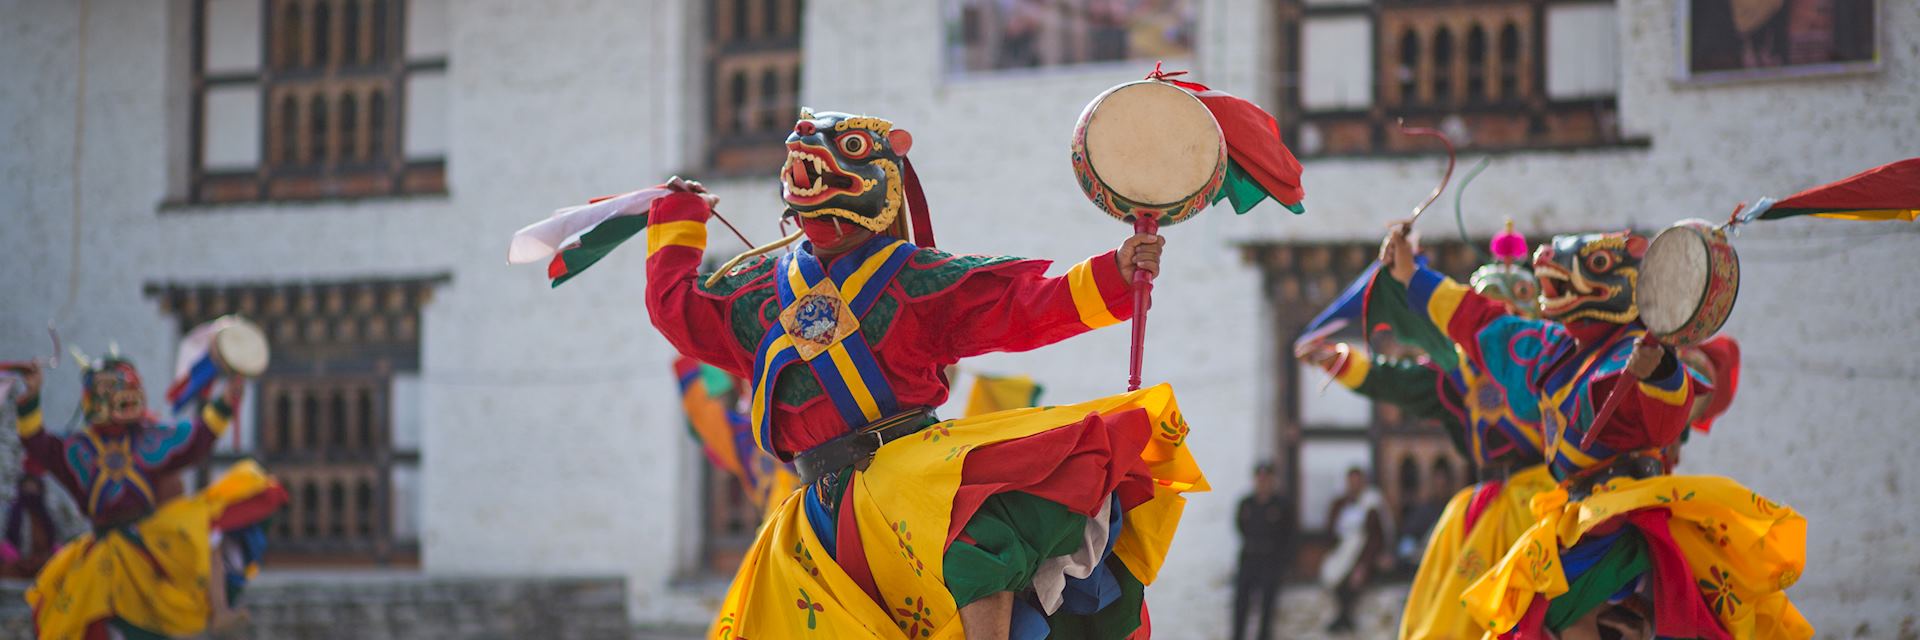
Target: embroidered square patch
818 319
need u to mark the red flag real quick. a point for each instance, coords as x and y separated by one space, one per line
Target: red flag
1887 192
1253 141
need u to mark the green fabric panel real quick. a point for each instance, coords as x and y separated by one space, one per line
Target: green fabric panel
743 275
796 385
1387 304
874 325
920 281
598 242
1012 532
1626 560
1413 387
1240 189
1246 193
750 316
1119 620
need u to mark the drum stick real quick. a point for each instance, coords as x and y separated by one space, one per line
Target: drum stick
1444 178
1142 299
1613 403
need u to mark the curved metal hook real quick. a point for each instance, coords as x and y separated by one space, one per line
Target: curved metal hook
1460 220
1444 179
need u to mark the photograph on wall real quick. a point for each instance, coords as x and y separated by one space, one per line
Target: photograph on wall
1004 35
1730 39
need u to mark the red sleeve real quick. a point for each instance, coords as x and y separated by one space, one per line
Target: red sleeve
42 447
694 322
1658 404
1016 309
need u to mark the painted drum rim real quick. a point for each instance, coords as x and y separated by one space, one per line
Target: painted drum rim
1709 314
1122 208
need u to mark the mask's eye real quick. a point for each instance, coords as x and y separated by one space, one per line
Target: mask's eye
1601 262
855 146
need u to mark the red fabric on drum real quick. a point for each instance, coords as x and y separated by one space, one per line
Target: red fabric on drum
1253 140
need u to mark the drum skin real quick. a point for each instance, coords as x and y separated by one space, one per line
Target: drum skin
240 347
1156 150
1688 282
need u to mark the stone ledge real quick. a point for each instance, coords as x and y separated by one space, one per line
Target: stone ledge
380 605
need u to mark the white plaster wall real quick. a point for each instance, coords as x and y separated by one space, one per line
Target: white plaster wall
1581 58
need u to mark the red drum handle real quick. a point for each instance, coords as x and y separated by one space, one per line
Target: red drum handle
1613 403
1142 299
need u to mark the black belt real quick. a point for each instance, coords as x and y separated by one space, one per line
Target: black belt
1490 473
857 448
1633 465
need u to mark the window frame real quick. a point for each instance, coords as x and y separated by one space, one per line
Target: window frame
356 167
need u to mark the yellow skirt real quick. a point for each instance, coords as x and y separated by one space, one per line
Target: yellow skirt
158 583
1743 550
1456 557
788 586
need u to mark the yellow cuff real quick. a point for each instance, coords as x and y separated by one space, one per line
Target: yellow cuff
679 233
215 420
1668 396
1086 297
30 424
1355 369
1444 301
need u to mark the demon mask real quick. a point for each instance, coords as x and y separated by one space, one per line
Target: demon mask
847 167
1590 277
113 394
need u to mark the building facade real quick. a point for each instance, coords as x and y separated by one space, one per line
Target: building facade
349 170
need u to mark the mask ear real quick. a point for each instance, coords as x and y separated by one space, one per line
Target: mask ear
806 113
900 141
1637 245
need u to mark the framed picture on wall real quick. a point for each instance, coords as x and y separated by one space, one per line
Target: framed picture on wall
988 36
1757 39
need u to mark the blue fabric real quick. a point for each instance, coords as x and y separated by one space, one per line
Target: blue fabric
1028 622
1577 560
1352 301
199 377
1085 596
821 521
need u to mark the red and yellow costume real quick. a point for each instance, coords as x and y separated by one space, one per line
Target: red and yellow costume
1708 557
144 569
1072 507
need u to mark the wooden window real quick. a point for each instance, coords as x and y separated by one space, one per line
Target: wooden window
325 428
1509 62
753 58
1476 64
329 92
1408 73
1475 67
1443 66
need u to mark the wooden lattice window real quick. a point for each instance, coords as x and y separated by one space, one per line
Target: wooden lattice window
324 89
753 58
1478 70
323 413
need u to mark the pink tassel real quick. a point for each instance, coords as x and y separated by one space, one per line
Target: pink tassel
1509 245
